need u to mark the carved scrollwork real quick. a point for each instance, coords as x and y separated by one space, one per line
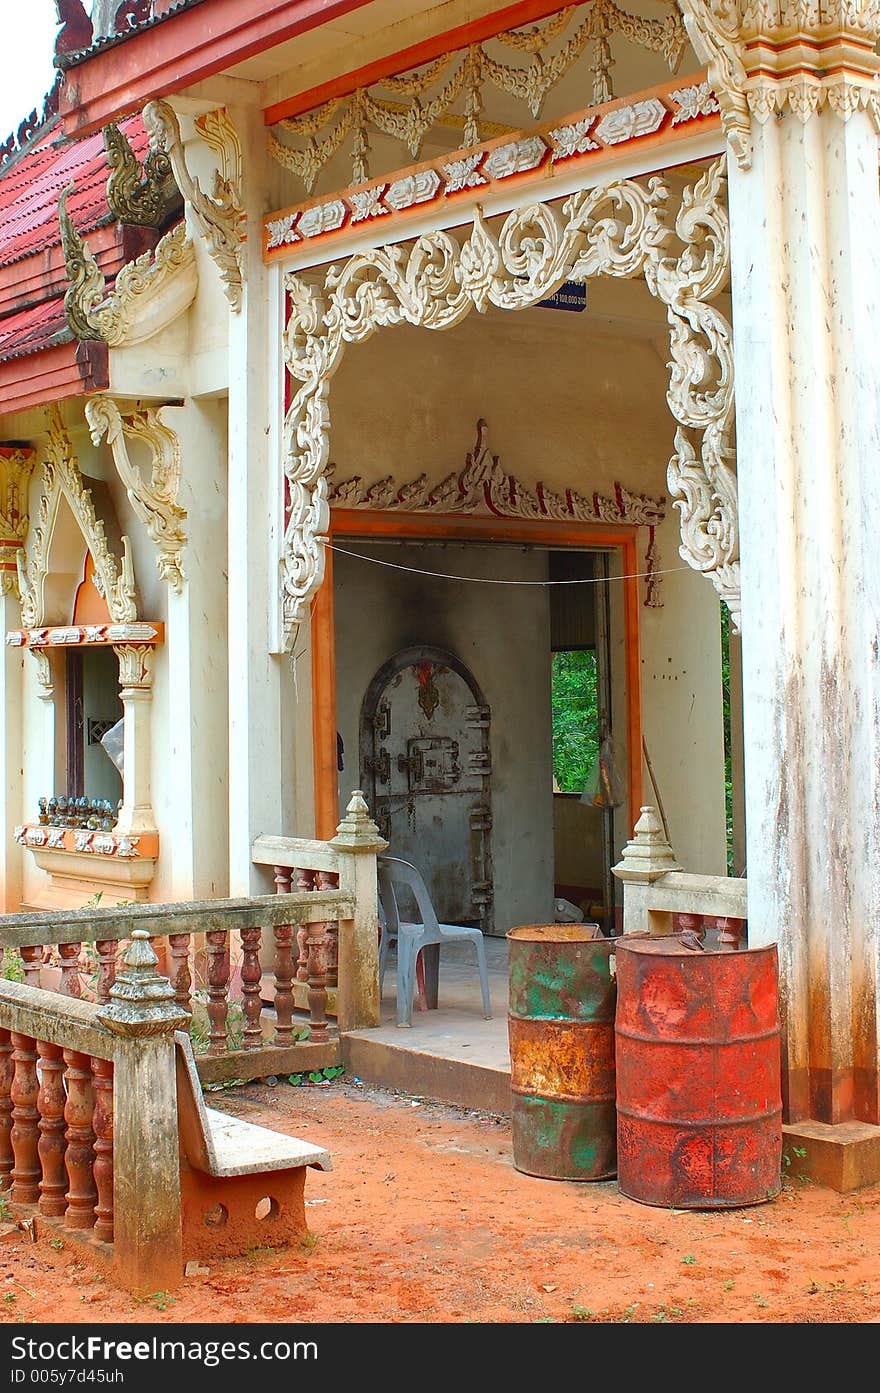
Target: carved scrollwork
150 292
620 230
86 289
144 197
419 104
219 215
154 500
61 479
767 55
16 468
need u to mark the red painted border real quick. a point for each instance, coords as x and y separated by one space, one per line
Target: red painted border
185 48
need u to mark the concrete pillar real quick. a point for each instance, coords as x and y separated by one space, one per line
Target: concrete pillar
261 693
805 226
147 1247
358 843
135 681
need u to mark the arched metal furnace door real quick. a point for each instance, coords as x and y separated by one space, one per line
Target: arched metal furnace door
426 773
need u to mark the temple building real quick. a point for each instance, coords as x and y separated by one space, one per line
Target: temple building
466 404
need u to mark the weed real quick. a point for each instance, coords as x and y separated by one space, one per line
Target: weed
160 1300
728 1285
582 1313
11 967
689 1259
56 1243
760 1300
9 1296
310 1241
332 1071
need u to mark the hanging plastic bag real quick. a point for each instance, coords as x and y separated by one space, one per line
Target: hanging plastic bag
112 743
604 786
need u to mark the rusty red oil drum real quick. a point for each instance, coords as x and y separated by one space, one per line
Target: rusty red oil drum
699 1108
561 1030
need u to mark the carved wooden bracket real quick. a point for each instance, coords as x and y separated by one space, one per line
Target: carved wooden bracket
149 294
219 215
154 500
145 197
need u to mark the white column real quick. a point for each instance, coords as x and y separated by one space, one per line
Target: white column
260 685
11 753
805 223
136 683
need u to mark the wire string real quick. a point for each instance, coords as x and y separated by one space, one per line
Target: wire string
487 580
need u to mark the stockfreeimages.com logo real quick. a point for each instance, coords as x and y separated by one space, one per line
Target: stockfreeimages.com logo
97 1348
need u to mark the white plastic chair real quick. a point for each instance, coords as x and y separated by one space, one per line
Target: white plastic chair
413 937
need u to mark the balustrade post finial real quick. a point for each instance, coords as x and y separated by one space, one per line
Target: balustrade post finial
141 1000
357 832
647 855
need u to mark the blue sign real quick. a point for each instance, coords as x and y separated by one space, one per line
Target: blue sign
570 296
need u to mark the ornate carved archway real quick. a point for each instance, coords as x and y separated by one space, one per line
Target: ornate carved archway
623 229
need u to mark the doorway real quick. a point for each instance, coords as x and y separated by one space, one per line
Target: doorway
538 648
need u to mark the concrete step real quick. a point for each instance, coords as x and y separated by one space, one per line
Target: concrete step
454 1059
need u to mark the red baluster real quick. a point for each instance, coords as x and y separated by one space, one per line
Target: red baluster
181 977
729 933
317 993
329 880
102 1122
106 949
7 1071
52 1144
218 989
284 1033
251 980
81 1193
305 880
24 1134
282 880
31 961
70 981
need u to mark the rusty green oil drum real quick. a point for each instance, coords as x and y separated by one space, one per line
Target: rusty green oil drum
561 1031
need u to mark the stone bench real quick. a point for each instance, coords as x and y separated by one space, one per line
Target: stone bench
242 1186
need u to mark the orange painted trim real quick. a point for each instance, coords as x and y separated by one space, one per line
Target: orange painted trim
406 59
7 452
355 522
147 843
324 706
633 661
41 637
668 135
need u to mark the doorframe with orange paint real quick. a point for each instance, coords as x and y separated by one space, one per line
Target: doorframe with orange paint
356 522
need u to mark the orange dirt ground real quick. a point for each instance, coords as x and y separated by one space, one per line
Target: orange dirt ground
425 1219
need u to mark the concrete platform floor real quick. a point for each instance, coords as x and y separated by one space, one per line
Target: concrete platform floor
450 1054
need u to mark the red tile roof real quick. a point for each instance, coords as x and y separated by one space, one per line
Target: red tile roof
33 280
31 184
40 326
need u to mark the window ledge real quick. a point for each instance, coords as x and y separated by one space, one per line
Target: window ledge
81 862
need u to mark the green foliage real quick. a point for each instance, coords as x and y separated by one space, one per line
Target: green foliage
332 1071
11 968
575 716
